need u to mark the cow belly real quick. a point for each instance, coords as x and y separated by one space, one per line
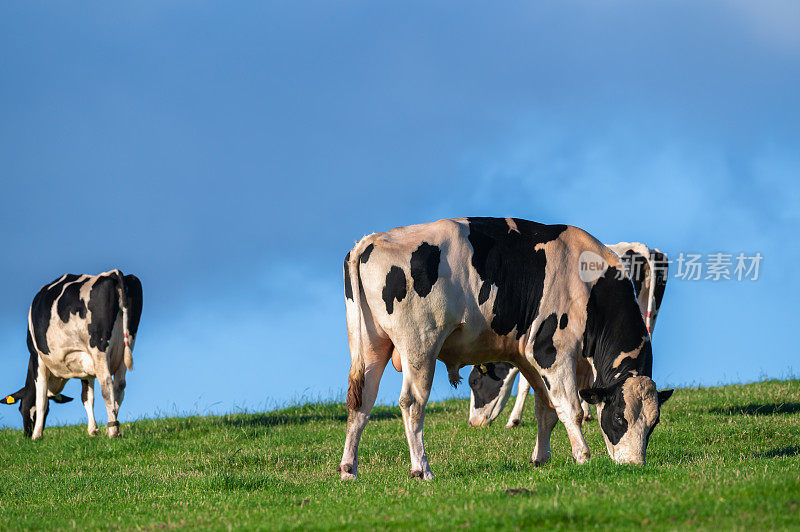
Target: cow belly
69 364
465 347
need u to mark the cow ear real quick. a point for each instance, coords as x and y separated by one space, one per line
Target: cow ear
663 395
61 398
594 395
14 397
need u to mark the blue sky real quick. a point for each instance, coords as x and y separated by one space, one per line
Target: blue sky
229 156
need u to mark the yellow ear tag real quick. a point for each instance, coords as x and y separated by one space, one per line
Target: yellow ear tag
10 400
482 369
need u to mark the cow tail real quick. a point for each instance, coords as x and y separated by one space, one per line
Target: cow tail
127 353
651 291
356 377
659 271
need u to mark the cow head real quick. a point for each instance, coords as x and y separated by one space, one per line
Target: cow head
26 398
491 385
628 412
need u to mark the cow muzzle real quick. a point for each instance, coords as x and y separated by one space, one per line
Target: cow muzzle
627 457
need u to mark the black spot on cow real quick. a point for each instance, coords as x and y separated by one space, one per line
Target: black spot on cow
348 287
366 253
612 420
71 303
546 382
425 268
41 309
507 259
133 301
544 352
395 287
486 386
104 306
637 267
564 321
614 325
483 295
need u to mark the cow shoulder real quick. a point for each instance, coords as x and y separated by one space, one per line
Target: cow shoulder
509 254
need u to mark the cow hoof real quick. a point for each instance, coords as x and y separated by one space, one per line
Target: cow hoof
581 458
539 462
346 471
93 432
514 423
424 475
114 434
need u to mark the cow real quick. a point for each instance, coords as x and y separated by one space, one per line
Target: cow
474 290
79 327
491 383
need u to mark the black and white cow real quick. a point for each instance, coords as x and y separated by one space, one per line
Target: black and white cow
491 383
79 327
477 290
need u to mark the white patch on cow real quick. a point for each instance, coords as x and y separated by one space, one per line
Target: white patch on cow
56 281
628 354
512 225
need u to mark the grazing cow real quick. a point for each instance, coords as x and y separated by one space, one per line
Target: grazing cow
477 290
491 383
79 327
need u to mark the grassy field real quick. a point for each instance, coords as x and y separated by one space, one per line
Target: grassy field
724 457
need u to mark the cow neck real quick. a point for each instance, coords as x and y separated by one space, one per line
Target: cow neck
615 339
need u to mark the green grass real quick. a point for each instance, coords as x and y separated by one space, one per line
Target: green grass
725 457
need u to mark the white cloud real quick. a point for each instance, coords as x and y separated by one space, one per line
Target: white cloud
775 22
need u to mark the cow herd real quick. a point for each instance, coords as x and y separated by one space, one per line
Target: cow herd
507 296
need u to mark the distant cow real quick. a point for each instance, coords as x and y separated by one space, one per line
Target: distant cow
79 327
491 383
477 290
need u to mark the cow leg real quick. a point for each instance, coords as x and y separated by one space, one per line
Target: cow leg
564 396
357 419
585 380
42 402
522 394
87 396
417 381
587 412
107 387
546 419
119 386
